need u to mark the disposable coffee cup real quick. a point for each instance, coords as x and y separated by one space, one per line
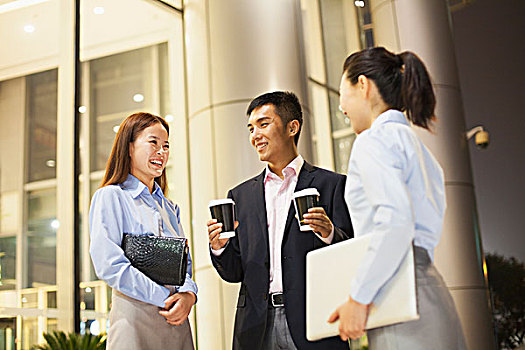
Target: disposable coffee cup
304 200
223 211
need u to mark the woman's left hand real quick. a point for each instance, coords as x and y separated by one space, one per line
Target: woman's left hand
178 307
352 318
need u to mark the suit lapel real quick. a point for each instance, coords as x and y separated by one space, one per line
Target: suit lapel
260 203
306 177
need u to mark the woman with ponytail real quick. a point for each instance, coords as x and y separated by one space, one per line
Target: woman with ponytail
395 192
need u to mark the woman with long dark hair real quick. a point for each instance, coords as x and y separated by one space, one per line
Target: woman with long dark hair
395 192
144 314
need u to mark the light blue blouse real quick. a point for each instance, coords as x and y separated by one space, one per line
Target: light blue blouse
395 192
130 208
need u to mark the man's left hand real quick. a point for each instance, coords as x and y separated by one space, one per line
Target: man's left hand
352 318
317 219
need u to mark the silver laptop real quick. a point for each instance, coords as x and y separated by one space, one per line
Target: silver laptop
329 274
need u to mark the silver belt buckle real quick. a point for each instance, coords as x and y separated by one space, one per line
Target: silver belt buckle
274 303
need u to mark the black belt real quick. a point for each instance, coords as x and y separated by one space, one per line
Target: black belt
276 300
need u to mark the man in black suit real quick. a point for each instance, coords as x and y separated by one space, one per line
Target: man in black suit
268 253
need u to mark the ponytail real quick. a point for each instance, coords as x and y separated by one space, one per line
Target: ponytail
402 81
416 91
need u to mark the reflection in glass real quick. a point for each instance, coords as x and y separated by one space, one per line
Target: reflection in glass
339 120
164 81
311 120
334 38
30 299
29 332
42 125
120 85
41 237
51 299
342 148
87 297
7 262
52 325
7 333
365 26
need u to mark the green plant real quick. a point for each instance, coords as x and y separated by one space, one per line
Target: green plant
58 340
506 277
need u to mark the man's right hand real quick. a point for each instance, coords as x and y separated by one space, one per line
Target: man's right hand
214 229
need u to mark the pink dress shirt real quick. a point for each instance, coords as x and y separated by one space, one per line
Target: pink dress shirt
278 195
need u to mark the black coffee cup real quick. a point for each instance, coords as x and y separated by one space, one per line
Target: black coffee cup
223 211
304 200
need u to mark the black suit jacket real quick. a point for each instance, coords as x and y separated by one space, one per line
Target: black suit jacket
246 257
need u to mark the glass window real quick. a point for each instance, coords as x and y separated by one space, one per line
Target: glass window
164 82
7 333
365 24
52 299
29 332
41 237
339 120
334 37
341 26
369 38
42 125
342 148
120 85
7 262
52 325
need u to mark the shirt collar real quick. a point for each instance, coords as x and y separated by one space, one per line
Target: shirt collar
137 187
294 165
390 116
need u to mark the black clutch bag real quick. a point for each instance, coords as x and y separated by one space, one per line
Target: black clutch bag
163 259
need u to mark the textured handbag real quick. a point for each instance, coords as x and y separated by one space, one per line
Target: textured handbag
162 259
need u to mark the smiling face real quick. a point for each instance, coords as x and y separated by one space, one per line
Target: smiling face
354 102
149 154
272 141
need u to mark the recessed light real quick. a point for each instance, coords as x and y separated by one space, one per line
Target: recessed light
55 224
50 163
138 97
169 118
99 10
29 28
115 128
359 3
82 109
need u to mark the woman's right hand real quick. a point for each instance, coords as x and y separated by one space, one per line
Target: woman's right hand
214 229
177 307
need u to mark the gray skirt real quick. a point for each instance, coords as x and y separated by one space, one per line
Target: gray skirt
135 325
438 326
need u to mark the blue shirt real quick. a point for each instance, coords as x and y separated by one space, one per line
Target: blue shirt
129 207
395 192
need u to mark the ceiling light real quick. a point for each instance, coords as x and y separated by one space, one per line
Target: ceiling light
169 118
359 3
99 10
138 97
82 109
29 28
50 163
55 224
115 128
